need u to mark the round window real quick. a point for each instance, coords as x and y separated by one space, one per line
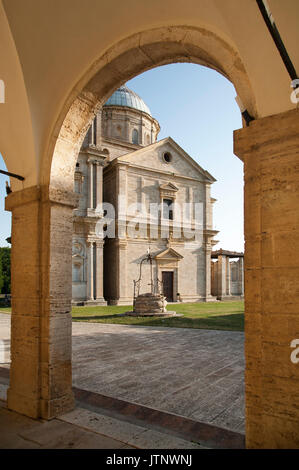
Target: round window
167 157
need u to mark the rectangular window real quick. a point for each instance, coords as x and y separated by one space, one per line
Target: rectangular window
167 209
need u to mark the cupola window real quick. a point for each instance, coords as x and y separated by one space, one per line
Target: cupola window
135 136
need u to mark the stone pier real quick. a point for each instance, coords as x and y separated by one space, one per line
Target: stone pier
41 323
269 148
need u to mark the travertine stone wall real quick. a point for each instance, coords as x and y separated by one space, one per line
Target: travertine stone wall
270 150
87 242
41 374
122 263
145 179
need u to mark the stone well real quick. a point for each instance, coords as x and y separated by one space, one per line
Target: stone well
151 305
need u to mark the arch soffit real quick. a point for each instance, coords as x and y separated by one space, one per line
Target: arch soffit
123 61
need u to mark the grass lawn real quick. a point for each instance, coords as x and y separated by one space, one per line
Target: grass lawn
5 309
210 315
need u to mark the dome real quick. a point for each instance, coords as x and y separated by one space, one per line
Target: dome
126 97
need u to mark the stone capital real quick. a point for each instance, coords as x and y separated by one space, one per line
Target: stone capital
59 196
121 243
42 194
94 153
265 135
22 197
99 161
208 246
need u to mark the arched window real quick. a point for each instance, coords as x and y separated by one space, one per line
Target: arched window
135 136
168 209
77 269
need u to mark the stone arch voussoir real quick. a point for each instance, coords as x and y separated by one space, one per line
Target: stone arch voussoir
123 61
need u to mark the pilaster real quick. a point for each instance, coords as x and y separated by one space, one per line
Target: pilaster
122 251
241 276
99 281
269 148
208 294
41 323
228 277
221 276
90 271
90 184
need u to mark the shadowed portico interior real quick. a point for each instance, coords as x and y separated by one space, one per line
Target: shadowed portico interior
53 116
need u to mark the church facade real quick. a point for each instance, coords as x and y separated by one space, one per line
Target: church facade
139 195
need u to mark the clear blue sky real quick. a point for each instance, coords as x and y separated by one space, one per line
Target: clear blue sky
196 107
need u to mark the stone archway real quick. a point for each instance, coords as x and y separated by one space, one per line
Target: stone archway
41 330
122 62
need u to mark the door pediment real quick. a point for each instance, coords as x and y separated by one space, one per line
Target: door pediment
168 255
168 187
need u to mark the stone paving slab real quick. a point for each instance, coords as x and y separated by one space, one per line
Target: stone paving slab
194 373
130 425
19 432
207 435
131 434
3 391
190 372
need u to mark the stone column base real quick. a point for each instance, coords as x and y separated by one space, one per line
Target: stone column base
121 301
191 299
100 301
230 297
34 408
211 298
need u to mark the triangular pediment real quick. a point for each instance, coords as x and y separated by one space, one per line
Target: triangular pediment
150 157
169 254
168 187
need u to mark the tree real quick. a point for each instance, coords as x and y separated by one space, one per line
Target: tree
5 270
1 277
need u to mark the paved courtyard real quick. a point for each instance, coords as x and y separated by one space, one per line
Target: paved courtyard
194 373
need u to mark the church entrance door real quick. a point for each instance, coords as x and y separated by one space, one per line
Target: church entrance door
167 278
